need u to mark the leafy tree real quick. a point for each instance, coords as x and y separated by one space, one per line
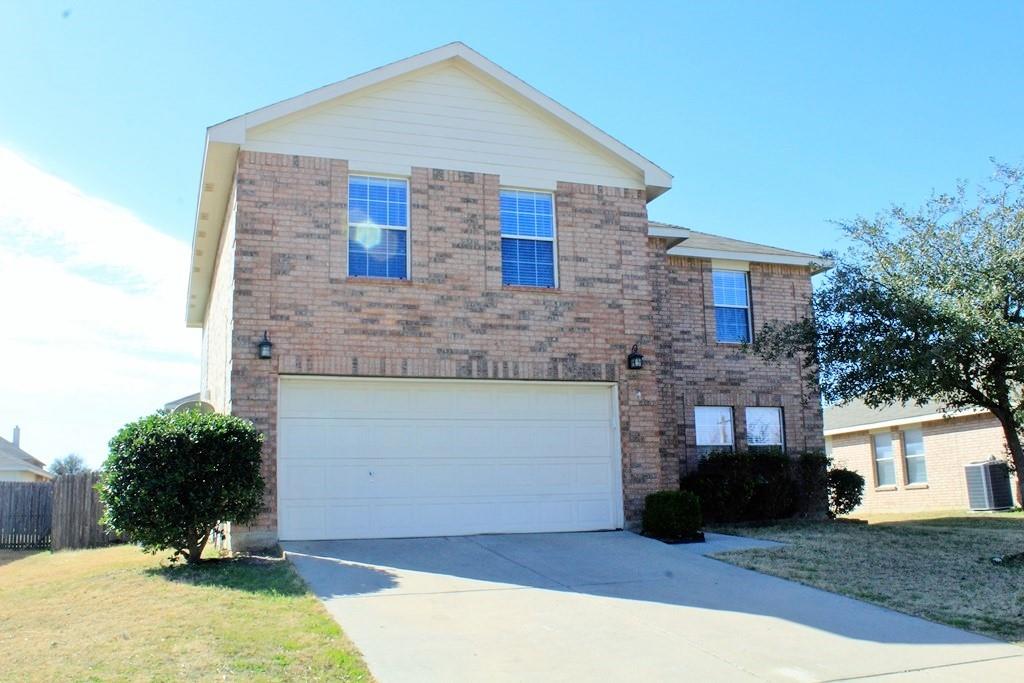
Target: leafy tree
926 305
169 479
69 464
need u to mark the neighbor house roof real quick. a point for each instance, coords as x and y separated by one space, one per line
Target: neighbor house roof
856 416
705 245
224 140
171 405
13 458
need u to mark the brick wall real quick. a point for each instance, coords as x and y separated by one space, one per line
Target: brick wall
702 371
454 319
949 444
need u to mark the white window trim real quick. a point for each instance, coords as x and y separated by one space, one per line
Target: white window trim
715 304
732 428
906 457
552 239
782 428
891 458
404 228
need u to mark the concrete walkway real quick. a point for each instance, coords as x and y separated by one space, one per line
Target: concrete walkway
616 606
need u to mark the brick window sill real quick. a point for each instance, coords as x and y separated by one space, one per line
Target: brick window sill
883 489
916 487
377 281
533 290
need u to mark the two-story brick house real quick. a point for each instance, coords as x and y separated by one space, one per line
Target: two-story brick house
452 269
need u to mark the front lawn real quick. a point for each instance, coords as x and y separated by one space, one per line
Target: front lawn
116 613
939 568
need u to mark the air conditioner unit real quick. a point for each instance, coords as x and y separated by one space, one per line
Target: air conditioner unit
988 485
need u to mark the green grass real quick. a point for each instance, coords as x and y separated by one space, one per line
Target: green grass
936 567
118 614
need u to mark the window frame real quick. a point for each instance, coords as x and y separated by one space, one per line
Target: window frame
891 459
907 457
747 308
782 428
553 239
730 447
407 228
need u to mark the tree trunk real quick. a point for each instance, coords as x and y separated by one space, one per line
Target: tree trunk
195 550
1013 445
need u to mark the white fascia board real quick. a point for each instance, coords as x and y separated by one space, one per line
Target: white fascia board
672 234
817 263
899 422
657 179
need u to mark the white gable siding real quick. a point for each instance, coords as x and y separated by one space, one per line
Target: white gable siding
443 117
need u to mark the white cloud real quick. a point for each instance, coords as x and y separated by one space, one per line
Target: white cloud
92 330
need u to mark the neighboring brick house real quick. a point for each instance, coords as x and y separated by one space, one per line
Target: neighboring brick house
912 457
452 269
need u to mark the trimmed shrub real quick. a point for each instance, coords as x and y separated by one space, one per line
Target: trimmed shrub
845 491
812 484
672 515
169 479
757 486
775 489
724 484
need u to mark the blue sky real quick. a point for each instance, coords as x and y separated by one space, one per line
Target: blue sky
773 117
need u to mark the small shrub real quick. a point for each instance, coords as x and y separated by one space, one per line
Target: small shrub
170 478
672 515
845 491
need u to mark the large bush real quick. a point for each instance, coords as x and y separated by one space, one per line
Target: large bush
845 491
169 479
672 515
724 483
762 485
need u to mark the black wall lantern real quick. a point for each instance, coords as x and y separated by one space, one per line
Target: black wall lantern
635 359
265 346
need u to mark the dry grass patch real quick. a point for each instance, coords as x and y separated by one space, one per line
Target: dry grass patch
939 568
118 614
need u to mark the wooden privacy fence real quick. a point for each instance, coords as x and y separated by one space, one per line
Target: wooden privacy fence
76 513
61 515
25 515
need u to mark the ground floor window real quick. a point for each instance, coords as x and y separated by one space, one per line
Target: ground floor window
764 429
913 455
713 427
885 465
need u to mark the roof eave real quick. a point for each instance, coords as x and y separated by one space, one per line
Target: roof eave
817 264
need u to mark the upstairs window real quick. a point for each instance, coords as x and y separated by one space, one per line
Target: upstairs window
378 227
764 429
713 429
732 306
913 455
527 238
885 465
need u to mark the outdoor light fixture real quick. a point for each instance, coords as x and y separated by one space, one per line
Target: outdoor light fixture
635 359
265 346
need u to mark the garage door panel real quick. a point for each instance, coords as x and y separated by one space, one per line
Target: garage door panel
369 459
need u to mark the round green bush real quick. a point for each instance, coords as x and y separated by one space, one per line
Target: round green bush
170 479
845 491
672 515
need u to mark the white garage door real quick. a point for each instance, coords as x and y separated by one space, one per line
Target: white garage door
392 458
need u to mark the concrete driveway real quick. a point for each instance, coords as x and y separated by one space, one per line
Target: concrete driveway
615 606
